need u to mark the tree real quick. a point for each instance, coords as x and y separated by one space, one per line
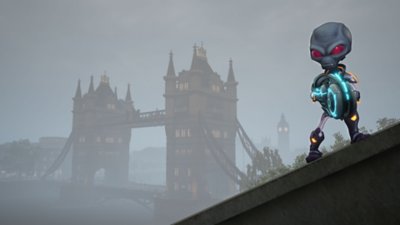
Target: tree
385 123
340 141
268 163
18 157
365 130
265 166
299 161
324 149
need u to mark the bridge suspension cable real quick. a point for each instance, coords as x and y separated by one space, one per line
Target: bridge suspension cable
247 144
220 156
226 163
60 158
251 149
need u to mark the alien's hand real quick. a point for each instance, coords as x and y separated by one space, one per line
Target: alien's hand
313 97
357 95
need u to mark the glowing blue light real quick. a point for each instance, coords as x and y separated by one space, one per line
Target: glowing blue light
318 92
343 83
333 113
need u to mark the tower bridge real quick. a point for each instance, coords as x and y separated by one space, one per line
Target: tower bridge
200 121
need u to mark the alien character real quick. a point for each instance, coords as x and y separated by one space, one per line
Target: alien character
335 88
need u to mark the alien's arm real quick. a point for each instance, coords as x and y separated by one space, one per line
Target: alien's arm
318 90
353 81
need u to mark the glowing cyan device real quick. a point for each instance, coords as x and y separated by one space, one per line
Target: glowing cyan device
335 96
333 110
318 92
344 85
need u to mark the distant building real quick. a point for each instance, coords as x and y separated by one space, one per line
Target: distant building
283 130
48 150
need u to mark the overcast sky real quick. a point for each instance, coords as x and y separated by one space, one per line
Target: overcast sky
46 46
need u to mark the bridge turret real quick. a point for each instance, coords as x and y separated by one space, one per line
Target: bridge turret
231 84
130 110
78 97
231 91
77 106
78 92
170 87
91 86
128 98
199 60
171 68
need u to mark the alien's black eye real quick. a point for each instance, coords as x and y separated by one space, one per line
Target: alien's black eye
316 53
337 50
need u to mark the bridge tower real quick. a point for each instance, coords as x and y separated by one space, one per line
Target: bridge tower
192 171
97 146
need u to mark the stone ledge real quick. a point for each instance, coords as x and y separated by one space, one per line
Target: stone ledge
330 164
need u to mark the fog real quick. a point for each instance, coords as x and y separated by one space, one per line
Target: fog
47 46
40 203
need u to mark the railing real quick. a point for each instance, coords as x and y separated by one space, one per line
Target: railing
149 119
153 115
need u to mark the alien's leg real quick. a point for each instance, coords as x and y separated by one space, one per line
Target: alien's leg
352 126
316 138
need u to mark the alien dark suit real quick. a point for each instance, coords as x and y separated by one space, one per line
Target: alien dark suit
335 88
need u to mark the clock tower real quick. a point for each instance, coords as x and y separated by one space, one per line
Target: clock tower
283 137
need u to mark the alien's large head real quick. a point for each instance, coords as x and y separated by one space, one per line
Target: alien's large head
329 44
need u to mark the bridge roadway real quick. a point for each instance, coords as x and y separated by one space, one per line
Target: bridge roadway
141 193
49 202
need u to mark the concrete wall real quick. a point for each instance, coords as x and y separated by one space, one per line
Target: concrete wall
359 184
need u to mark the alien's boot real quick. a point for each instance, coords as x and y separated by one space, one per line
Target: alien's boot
352 126
316 137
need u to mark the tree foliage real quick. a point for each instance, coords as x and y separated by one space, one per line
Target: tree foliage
339 142
266 165
271 165
18 157
299 161
385 123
